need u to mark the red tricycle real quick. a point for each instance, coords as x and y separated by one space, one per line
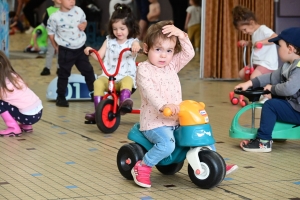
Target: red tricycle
107 115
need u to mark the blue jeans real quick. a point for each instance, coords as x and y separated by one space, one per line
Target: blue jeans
276 110
164 144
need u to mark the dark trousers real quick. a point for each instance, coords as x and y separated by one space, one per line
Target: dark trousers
179 12
28 10
66 59
15 113
276 110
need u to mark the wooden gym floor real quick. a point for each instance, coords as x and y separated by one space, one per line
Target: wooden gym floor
66 159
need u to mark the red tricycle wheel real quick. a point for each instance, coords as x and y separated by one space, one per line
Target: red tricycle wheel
243 143
106 121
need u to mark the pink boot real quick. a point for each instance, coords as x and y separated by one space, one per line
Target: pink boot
91 117
125 102
13 128
26 128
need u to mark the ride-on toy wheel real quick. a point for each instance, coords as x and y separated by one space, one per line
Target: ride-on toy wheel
170 169
243 143
127 156
214 170
106 121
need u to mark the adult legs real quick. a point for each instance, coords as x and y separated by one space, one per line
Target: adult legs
28 10
179 12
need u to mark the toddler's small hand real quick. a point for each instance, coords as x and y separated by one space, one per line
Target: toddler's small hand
244 86
243 43
81 26
174 108
172 30
87 50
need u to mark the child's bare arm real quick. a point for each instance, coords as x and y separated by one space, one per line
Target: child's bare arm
101 51
265 41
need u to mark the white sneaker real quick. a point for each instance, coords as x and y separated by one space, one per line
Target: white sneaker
29 30
263 100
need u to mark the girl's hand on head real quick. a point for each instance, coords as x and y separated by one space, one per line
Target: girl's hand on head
87 50
173 30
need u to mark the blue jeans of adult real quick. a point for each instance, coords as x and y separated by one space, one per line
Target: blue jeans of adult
276 110
164 144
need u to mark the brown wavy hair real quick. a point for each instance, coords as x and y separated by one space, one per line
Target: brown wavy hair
8 73
242 16
124 13
154 33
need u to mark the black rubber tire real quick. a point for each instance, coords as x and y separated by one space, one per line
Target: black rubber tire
170 169
103 110
217 170
132 152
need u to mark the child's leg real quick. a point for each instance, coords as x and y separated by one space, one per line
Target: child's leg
242 73
197 37
49 57
100 86
9 119
190 32
126 103
273 110
164 144
259 70
86 69
66 59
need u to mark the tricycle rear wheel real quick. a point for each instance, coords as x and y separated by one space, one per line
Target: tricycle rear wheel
214 170
128 155
170 169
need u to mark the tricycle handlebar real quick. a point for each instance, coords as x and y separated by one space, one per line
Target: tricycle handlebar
101 62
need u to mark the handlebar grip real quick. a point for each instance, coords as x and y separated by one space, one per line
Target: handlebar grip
167 112
259 45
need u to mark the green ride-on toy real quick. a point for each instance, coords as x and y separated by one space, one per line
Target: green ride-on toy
282 131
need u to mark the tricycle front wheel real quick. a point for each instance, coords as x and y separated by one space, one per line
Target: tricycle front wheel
214 170
106 120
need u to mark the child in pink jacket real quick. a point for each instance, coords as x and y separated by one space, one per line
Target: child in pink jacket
18 103
169 50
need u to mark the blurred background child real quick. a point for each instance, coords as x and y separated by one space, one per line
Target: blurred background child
192 23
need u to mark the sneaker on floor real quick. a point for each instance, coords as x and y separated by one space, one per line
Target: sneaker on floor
29 30
62 102
230 169
257 145
263 100
45 72
141 174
